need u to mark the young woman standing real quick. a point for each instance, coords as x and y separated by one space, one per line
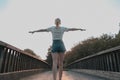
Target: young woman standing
58 48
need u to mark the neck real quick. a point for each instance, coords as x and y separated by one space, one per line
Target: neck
57 26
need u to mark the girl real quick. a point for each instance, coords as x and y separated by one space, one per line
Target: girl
58 48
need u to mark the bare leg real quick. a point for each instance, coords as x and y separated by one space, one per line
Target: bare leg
61 58
54 66
58 61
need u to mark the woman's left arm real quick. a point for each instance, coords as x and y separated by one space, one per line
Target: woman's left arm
75 29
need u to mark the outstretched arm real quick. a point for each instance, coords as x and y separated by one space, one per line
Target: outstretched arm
74 29
41 30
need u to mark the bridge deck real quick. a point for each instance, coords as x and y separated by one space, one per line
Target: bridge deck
67 75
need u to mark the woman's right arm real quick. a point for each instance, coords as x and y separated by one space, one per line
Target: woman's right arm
41 30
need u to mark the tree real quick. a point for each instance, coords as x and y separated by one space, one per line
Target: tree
92 46
49 57
31 52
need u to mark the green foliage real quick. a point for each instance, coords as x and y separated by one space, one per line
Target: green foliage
49 57
30 51
92 46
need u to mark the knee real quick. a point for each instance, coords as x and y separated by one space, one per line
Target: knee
60 64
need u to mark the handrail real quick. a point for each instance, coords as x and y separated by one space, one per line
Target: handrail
13 59
107 60
19 50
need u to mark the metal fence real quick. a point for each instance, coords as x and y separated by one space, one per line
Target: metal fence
13 59
107 60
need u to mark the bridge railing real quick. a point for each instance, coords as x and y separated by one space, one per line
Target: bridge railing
107 60
13 59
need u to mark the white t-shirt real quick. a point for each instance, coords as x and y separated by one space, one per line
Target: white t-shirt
57 32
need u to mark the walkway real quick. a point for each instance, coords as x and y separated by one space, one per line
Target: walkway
67 75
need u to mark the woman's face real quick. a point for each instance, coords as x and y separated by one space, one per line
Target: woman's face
57 22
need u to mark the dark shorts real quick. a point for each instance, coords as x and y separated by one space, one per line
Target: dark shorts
58 46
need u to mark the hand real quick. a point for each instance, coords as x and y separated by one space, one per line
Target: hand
31 32
83 29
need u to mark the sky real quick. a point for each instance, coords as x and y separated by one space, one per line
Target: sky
18 17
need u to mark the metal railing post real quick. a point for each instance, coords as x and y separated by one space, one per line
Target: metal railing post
2 51
13 59
107 60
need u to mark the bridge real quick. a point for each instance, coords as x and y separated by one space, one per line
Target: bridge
16 64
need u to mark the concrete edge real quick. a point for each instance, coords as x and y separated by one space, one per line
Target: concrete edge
105 74
19 74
